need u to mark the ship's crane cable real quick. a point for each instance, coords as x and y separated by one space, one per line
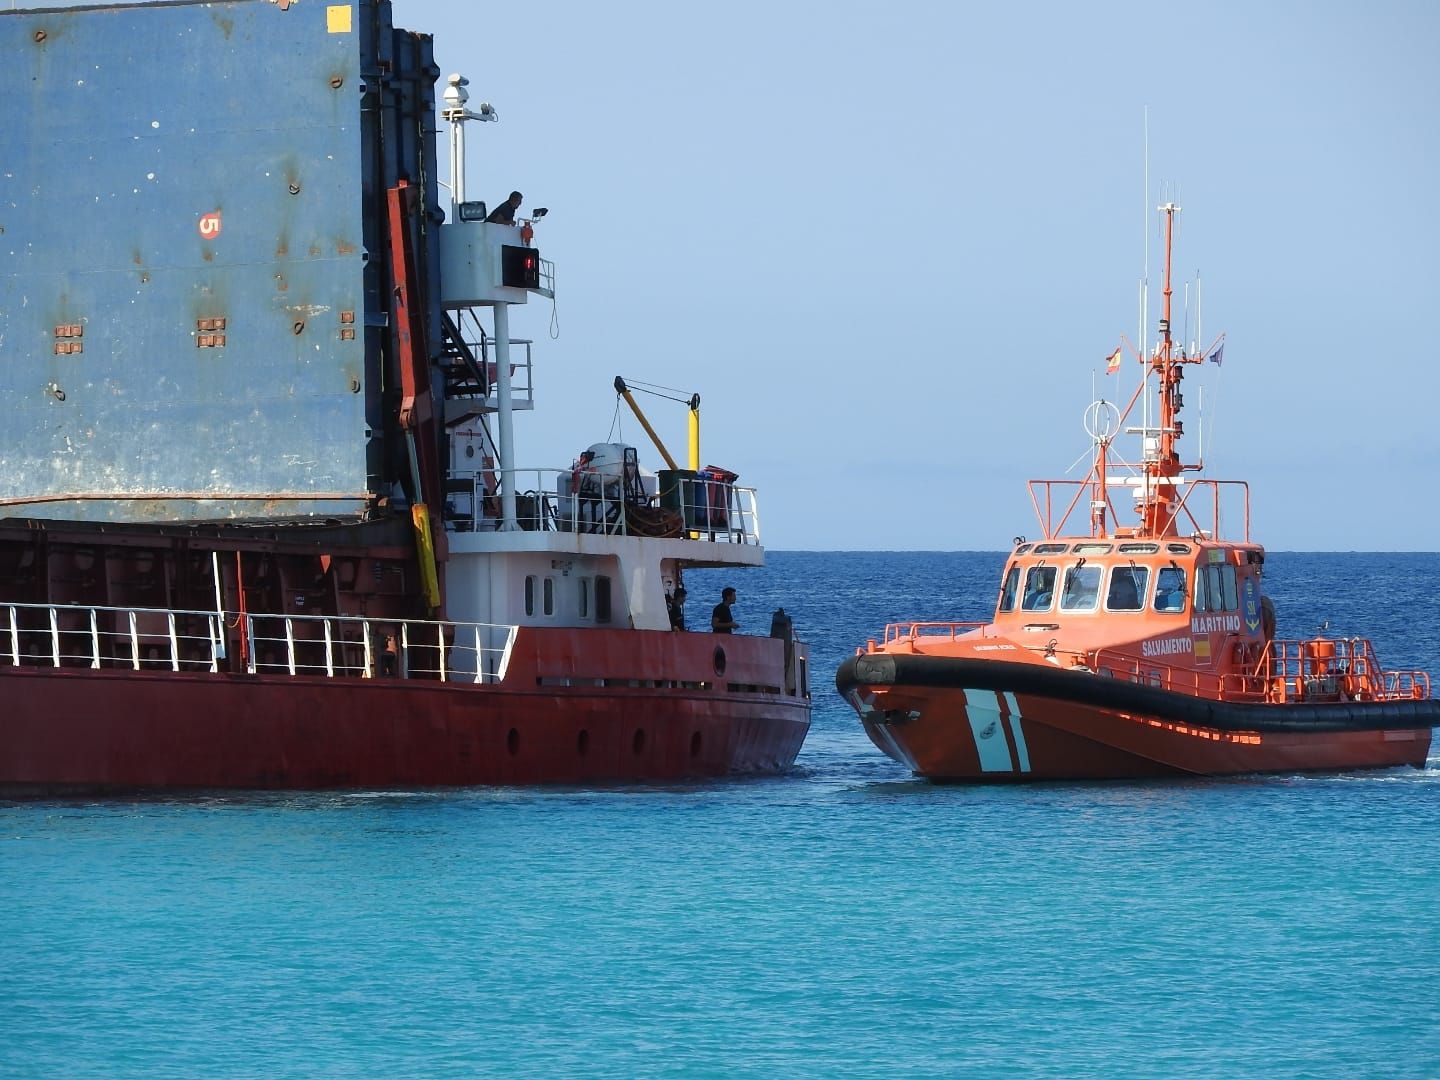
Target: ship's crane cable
615 425
655 389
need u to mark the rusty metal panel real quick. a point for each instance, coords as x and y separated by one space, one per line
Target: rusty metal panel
183 218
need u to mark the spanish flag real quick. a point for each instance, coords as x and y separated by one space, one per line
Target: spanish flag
1112 362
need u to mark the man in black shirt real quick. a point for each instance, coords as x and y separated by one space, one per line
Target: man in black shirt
721 621
676 605
504 214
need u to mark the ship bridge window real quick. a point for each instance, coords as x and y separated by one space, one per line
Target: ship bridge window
1082 588
1178 549
546 590
1170 588
584 598
1039 588
1092 549
1009 589
1139 549
1127 588
1050 549
602 598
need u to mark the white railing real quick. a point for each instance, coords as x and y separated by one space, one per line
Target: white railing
482 348
65 636
556 500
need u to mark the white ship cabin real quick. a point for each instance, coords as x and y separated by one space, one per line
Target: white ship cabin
602 543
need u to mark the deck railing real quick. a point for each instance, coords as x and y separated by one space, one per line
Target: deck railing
550 500
929 632
330 646
1198 520
1320 669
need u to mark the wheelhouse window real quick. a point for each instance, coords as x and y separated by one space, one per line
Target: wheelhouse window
1039 588
1215 588
549 596
584 598
1232 591
1170 588
1010 589
1127 588
1082 588
530 594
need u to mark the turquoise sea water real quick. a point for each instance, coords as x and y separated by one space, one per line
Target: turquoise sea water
844 920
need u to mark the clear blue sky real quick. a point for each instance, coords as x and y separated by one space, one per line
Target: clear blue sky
891 244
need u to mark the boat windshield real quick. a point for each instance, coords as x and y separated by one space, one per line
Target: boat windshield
1127 588
1039 588
1082 588
1170 588
1009 589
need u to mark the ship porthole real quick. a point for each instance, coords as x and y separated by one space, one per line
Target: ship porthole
639 741
582 743
695 745
719 660
512 742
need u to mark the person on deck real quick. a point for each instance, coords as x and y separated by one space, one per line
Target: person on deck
676 606
504 214
721 621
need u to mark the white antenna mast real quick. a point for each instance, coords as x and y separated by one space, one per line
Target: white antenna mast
1199 336
1185 303
1142 337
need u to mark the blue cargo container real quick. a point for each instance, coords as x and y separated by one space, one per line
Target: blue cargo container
194 257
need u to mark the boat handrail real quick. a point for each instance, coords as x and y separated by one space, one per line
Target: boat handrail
1334 669
895 632
176 640
1147 671
1053 527
1346 667
555 500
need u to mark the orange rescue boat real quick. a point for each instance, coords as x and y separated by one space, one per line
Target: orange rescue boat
1138 651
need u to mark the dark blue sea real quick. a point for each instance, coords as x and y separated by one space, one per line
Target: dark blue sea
846 920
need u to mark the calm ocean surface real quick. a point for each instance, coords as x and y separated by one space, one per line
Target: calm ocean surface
844 920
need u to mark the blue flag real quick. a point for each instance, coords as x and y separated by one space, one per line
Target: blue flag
1218 355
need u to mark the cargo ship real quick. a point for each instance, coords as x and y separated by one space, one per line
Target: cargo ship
261 519
1134 651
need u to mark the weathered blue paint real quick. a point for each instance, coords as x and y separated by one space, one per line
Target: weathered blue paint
124 127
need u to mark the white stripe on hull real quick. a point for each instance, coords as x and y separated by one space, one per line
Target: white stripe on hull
982 709
1021 750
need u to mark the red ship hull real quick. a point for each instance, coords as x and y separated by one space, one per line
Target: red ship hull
659 713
